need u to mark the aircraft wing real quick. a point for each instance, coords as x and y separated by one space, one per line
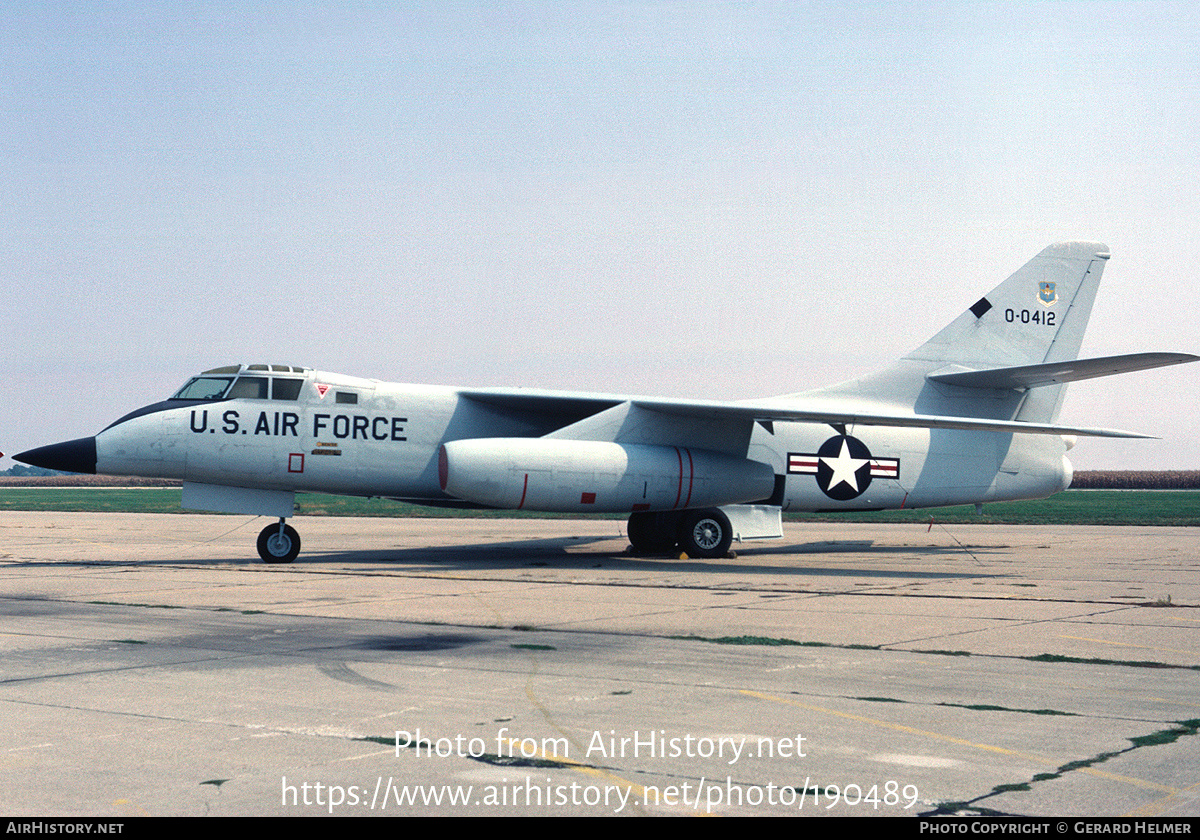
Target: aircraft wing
1056 373
601 416
800 414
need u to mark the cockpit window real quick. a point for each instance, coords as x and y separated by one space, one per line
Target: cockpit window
249 388
203 388
286 389
207 386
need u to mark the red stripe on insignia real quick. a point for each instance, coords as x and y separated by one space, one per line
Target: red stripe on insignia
587 499
802 464
885 469
524 490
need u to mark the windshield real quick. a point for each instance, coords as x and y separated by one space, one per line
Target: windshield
203 388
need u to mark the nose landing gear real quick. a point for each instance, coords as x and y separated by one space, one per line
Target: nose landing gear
278 543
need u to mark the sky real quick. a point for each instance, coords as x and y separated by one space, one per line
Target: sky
697 199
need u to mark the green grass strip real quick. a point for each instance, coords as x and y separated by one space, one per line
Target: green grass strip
1074 507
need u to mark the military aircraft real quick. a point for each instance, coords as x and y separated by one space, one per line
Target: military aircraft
967 417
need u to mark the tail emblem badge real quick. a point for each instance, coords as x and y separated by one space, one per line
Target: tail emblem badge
1047 294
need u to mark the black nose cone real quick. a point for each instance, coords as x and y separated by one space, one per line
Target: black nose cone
77 456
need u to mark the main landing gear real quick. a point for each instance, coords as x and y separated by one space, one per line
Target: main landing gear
698 533
278 543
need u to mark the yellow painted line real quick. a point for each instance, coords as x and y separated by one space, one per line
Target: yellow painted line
1173 702
617 781
587 770
1124 644
130 808
899 727
1129 780
1156 808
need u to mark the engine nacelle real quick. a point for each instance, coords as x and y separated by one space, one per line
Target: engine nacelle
572 476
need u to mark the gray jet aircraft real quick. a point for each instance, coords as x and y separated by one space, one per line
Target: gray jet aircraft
967 417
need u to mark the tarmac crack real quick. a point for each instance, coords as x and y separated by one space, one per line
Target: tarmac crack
970 807
1015 622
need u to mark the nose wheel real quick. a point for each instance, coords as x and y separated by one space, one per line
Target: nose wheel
278 543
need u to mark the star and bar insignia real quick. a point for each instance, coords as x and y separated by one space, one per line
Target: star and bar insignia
843 466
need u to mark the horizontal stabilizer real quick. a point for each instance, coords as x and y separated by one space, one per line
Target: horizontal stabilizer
1057 373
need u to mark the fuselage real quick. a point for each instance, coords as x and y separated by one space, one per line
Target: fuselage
296 429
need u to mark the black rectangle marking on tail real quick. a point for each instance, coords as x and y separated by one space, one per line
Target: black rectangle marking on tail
980 307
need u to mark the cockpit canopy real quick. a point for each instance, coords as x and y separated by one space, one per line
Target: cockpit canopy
254 382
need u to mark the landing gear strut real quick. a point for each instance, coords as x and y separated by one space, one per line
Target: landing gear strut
278 543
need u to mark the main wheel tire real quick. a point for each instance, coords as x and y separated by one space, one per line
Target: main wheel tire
274 547
705 533
652 533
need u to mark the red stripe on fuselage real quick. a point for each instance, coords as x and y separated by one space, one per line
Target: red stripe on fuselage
679 484
691 476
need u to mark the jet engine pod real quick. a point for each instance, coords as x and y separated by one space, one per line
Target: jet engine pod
596 476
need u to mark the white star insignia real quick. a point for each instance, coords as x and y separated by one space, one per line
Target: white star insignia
844 468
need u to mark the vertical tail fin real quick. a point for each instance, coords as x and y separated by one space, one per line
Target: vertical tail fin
1036 316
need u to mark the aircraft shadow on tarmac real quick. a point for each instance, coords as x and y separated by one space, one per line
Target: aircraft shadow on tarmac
565 553
562 553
